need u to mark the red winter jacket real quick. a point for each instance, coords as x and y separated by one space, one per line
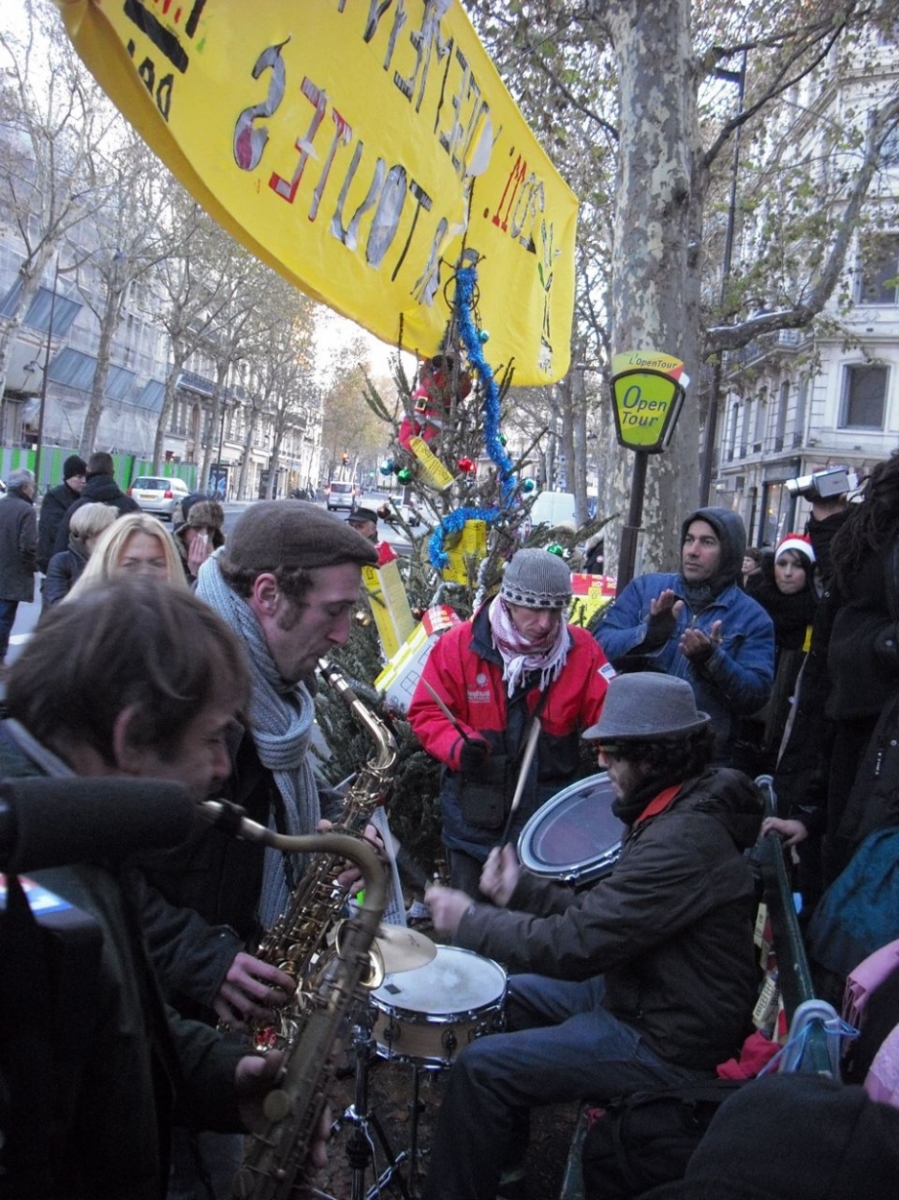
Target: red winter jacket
466 671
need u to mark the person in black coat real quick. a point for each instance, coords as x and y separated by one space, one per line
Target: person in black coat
855 670
55 505
101 488
173 678
784 586
66 568
18 550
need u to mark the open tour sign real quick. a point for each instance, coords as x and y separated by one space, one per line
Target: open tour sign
648 399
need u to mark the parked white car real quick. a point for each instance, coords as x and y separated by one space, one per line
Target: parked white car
158 494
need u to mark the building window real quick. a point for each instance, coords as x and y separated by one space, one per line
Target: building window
152 396
864 397
878 270
780 420
730 435
74 369
118 383
38 315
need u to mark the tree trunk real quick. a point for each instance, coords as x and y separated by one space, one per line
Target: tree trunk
247 452
112 311
179 355
215 417
655 290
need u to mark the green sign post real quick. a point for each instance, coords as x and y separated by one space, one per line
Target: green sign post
648 389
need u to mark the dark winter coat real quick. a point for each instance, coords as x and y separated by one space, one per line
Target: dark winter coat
800 780
54 507
99 489
136 1066
63 573
466 669
18 547
853 653
670 929
792 614
218 879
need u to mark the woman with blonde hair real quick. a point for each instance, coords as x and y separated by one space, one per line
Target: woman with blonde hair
134 546
65 568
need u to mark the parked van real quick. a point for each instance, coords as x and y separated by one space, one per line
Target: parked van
553 508
341 494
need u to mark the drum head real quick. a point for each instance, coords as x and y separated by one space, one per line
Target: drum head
456 981
574 836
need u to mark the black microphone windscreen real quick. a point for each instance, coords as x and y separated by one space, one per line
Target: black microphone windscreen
59 822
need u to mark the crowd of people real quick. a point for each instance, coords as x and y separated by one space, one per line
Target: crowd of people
189 656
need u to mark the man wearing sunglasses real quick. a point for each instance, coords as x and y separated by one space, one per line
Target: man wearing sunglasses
644 981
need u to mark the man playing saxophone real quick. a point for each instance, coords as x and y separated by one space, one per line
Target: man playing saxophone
286 584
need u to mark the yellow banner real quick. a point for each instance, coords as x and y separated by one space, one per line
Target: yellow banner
357 146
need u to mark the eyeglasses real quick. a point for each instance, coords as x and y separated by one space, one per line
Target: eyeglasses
609 749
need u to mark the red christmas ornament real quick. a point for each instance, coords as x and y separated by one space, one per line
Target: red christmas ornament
466 465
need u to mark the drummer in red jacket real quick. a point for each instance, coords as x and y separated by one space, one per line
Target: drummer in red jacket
517 660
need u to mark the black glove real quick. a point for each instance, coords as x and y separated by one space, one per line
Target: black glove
473 755
659 628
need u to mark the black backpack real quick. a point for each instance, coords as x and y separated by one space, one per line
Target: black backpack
634 1143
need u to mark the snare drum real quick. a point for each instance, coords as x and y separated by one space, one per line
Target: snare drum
574 837
429 1015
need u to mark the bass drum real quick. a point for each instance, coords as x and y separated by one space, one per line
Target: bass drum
574 837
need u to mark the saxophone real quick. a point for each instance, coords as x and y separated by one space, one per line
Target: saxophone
300 936
275 1156
328 979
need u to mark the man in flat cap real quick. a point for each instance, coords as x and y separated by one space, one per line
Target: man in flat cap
646 980
286 583
365 520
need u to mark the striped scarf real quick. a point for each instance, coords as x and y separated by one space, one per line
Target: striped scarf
281 717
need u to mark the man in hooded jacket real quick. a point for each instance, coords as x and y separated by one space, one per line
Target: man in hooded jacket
699 625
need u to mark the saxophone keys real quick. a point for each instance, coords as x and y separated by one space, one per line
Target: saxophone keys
277 1105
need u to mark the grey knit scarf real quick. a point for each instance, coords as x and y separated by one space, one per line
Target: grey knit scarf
281 717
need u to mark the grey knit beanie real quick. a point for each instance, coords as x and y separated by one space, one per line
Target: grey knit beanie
536 579
293 533
647 705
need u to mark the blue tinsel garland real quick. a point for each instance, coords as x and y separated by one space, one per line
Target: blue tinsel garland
455 521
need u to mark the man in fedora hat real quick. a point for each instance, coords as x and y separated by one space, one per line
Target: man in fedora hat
647 980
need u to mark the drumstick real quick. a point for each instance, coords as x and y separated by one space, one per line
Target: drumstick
446 712
527 759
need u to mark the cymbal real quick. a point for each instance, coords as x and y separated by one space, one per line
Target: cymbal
403 949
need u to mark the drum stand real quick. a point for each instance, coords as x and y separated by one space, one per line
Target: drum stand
360 1146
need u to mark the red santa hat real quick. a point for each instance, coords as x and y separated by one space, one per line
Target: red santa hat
798 542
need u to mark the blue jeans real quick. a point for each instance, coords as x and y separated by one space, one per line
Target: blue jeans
565 1047
8 610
